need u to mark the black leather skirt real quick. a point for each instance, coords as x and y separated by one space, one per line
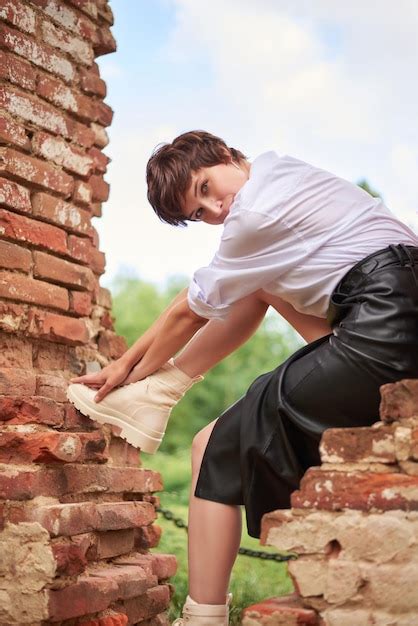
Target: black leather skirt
262 445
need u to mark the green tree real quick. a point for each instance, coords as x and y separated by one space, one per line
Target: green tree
137 304
365 185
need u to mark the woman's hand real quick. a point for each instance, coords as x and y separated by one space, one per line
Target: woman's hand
133 376
109 377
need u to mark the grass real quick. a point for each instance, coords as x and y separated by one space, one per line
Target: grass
252 579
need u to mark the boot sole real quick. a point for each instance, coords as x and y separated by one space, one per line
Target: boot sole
130 433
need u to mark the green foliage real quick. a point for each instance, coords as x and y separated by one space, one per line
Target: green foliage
137 304
365 185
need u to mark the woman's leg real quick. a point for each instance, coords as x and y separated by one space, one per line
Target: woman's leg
213 538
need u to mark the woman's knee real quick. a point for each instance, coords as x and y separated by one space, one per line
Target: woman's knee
199 444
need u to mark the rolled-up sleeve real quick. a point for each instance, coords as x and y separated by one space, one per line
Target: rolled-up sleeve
249 257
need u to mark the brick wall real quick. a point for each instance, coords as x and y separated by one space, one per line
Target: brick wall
77 509
354 525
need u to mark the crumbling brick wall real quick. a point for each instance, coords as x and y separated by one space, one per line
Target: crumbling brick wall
77 510
354 525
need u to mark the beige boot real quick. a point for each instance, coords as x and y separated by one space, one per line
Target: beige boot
195 614
141 410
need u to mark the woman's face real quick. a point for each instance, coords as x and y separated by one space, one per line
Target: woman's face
213 190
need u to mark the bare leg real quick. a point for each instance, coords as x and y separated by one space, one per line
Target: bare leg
213 538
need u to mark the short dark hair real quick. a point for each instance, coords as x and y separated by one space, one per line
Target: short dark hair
169 170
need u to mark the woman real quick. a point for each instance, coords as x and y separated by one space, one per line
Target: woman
336 263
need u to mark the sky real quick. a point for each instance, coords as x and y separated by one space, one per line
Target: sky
331 83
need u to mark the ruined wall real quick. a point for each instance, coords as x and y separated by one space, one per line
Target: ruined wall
76 509
354 525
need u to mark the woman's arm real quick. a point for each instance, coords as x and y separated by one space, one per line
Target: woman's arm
141 345
178 327
309 327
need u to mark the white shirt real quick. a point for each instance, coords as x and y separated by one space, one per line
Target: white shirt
293 230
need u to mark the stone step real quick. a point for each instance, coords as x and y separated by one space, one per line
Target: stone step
379 444
129 589
365 491
280 611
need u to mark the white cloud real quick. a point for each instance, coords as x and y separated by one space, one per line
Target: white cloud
332 83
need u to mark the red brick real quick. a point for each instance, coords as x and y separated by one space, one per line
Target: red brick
15 352
95 237
98 261
88 6
96 209
80 517
355 445
61 272
57 328
12 317
91 83
17 410
33 110
64 16
364 491
62 213
32 231
163 566
39 54
132 581
106 42
82 193
88 595
61 152
14 257
282 610
19 15
110 619
71 554
80 248
15 381
13 134
112 479
20 445
25 483
112 543
103 114
64 480
78 49
105 298
100 160
99 187
107 320
121 453
52 386
47 357
75 419
148 537
154 601
20 287
80 303
105 11
17 71
82 134
35 171
399 400
111 345
59 93
101 138
14 196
